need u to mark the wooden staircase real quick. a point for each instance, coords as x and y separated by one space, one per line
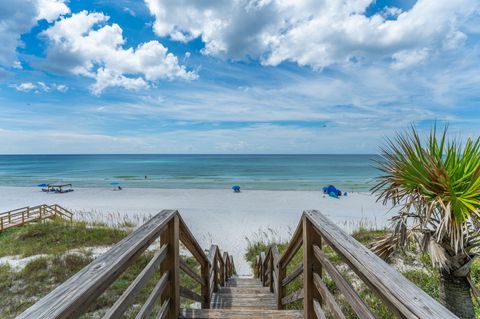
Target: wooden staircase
222 294
242 298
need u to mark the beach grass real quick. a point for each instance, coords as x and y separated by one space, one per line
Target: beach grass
415 266
57 236
61 249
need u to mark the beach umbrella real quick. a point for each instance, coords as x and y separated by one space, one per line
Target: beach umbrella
42 185
115 183
236 188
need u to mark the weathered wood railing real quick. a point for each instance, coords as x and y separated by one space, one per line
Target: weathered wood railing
25 215
74 296
399 295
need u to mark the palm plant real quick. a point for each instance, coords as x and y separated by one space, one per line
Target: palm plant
436 184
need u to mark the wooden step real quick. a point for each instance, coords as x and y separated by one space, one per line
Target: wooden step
243 304
243 284
240 313
244 290
259 296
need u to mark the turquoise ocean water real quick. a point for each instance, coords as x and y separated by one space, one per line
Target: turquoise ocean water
265 172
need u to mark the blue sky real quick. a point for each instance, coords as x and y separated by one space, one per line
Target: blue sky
244 76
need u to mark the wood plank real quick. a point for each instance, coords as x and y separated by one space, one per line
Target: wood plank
190 272
232 266
205 271
262 267
328 297
309 264
72 297
242 290
294 274
318 310
394 289
357 304
162 313
171 237
294 296
240 314
226 268
187 293
147 307
128 296
274 283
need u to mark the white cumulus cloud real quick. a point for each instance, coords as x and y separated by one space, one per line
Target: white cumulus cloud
85 44
314 33
25 87
18 17
40 86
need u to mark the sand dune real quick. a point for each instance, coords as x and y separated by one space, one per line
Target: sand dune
214 216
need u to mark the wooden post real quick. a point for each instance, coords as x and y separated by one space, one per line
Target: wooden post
272 269
215 272
310 265
265 272
206 287
282 291
222 271
171 264
23 217
226 267
262 270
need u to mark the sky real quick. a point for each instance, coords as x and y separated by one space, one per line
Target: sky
239 76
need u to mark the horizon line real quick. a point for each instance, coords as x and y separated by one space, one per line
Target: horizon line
193 154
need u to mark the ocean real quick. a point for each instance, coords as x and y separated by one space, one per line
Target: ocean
255 172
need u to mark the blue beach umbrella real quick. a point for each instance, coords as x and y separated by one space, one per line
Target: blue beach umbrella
42 185
236 188
115 183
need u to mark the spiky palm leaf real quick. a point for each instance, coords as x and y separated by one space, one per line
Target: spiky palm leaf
437 185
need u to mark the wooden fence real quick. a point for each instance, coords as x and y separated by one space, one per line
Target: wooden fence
74 296
399 295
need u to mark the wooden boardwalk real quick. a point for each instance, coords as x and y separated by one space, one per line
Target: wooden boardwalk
25 215
242 298
221 294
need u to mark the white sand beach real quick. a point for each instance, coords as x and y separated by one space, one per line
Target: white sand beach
213 215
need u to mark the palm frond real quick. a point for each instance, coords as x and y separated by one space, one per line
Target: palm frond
436 183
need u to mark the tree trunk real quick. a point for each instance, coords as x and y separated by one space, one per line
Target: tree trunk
456 296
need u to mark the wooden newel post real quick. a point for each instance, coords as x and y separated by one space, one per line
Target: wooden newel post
222 271
310 265
171 264
281 291
262 269
206 287
226 263
272 270
215 272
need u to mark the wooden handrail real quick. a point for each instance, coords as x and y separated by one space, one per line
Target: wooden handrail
75 295
399 295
